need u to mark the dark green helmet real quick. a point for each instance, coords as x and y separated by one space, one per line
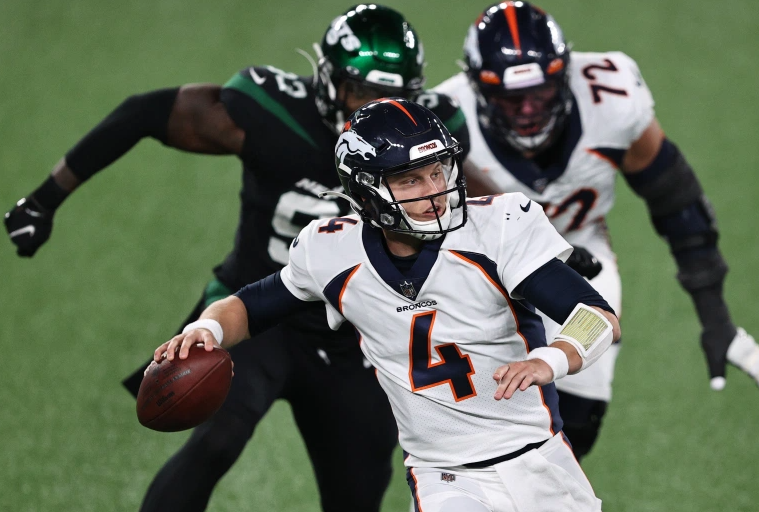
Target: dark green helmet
375 51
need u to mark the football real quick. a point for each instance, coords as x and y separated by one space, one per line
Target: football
183 393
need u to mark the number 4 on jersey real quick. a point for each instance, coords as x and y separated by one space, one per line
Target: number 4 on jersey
454 368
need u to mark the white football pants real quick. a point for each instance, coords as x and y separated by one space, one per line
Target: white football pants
547 479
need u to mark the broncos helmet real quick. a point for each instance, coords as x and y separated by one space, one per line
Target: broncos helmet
516 60
390 136
375 51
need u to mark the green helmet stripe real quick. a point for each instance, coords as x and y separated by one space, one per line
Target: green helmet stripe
214 291
245 86
455 122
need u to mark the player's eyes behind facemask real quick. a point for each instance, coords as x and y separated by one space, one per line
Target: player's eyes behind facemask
527 110
431 182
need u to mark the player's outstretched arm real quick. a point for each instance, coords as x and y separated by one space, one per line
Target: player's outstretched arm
252 310
657 171
223 324
589 327
190 118
546 364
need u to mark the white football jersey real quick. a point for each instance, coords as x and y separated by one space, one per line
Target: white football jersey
612 108
437 333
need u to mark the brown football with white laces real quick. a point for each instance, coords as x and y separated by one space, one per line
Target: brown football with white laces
183 393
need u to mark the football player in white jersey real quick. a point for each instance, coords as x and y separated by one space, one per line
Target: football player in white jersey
442 293
558 130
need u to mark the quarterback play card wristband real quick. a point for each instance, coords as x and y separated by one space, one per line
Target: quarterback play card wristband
589 331
208 324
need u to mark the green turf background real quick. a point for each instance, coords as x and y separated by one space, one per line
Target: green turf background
133 248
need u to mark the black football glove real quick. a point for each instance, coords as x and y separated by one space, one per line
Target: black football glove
584 263
29 226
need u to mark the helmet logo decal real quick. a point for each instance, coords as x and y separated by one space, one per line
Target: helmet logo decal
339 31
524 75
511 18
489 77
555 66
350 143
383 78
424 148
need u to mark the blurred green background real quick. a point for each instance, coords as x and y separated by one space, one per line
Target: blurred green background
132 250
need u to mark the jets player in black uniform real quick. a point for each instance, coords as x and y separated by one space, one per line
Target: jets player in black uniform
284 128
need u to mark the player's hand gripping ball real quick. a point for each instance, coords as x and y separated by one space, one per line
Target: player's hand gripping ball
183 393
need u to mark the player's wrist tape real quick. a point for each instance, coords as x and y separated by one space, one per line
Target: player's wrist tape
588 331
208 324
554 357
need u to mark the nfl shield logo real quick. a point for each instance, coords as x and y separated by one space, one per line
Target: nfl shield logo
408 290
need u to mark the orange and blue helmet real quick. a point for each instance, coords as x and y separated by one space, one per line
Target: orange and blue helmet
516 59
391 136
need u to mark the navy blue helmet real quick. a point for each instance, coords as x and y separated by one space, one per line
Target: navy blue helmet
390 136
516 60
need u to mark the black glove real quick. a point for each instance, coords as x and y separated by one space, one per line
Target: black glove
584 263
29 226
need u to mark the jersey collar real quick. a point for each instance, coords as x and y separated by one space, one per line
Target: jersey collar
409 285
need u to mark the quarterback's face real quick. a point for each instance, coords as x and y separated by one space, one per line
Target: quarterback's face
528 113
425 181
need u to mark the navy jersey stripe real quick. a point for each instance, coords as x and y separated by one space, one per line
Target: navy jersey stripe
551 401
529 327
411 479
612 155
334 290
488 266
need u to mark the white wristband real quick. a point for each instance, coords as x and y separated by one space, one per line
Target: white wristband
208 324
554 357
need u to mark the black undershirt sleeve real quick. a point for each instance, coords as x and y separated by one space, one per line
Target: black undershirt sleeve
555 289
268 302
139 116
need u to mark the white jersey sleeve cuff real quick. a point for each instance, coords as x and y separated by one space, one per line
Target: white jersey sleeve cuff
299 293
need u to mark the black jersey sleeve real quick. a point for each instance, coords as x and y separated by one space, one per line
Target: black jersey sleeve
261 100
448 110
268 302
555 289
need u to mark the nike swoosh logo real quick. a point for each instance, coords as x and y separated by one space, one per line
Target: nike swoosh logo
526 208
21 231
257 79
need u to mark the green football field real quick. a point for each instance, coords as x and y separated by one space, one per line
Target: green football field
132 250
